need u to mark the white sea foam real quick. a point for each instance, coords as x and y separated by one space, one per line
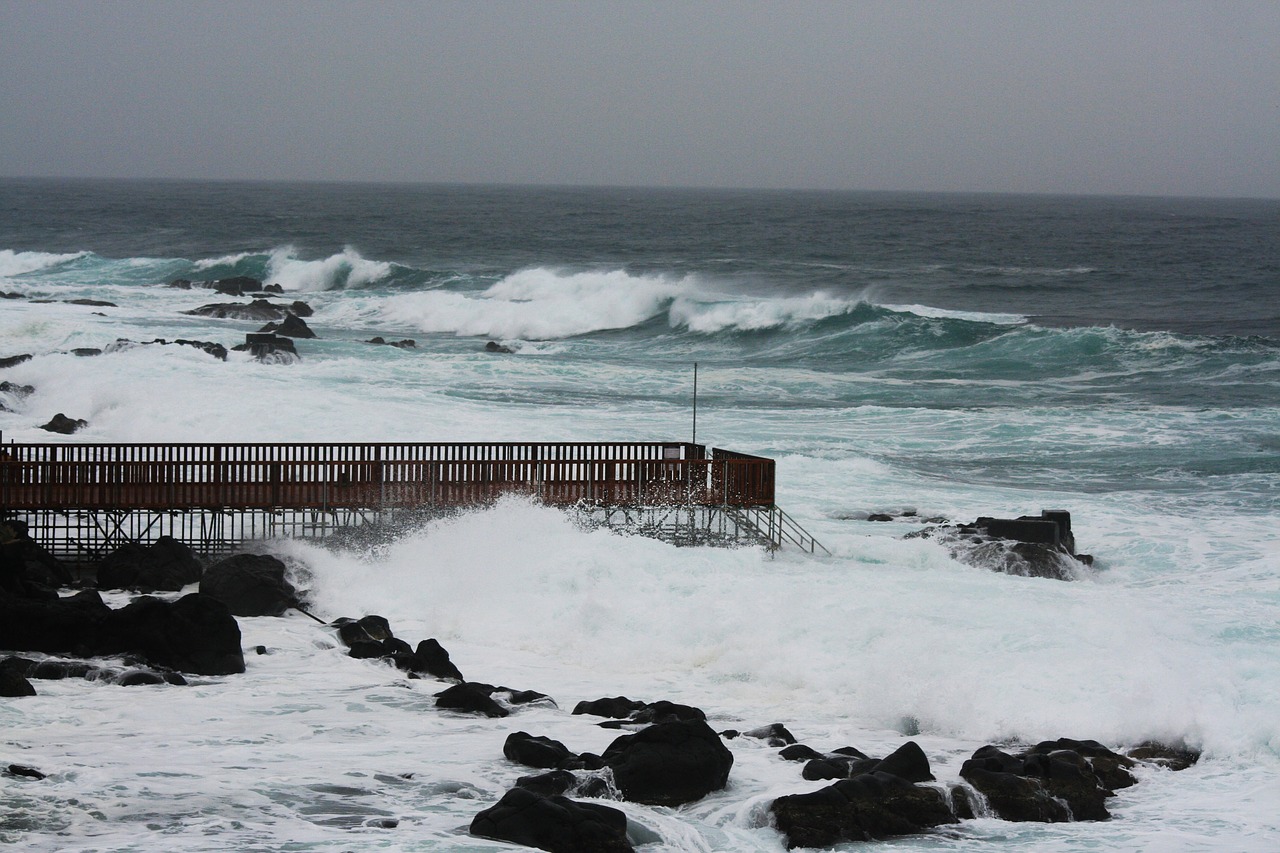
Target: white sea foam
972 316
534 304
225 260
345 269
745 314
17 263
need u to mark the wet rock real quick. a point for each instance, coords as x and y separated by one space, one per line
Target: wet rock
24 772
269 348
535 751
292 326
86 352
799 752
1163 755
495 347
64 425
91 303
407 343
430 657
669 764
167 564
775 734
27 569
471 699
239 285
1029 546
619 707
250 585
196 633
13 684
17 390
1049 782
868 807
258 309
14 360
218 351
553 823
300 308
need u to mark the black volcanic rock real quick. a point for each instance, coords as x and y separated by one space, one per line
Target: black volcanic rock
554 823
430 657
864 808
250 585
64 425
535 751
472 699
669 764
14 360
258 309
291 326
167 564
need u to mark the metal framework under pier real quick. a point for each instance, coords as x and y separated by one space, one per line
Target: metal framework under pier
82 501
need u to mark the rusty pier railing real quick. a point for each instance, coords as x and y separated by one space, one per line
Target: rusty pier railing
81 499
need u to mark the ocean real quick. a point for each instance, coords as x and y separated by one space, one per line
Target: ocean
951 355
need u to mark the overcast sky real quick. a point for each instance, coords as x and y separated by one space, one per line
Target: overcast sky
1168 98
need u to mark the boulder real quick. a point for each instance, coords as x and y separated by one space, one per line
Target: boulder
14 360
239 285
259 309
13 684
196 633
669 764
470 698
1049 782
1163 755
553 823
269 348
535 751
775 734
64 425
619 707
430 657
864 808
407 343
167 564
292 326
495 347
26 568
250 585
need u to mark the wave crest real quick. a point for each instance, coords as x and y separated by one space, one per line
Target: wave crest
348 268
540 304
17 263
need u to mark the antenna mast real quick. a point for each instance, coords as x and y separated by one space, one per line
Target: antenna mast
695 403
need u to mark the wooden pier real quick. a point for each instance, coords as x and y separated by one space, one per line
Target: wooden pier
83 500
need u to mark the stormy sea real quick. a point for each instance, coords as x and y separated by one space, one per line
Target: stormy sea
906 357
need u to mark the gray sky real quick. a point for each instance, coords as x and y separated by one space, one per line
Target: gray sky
1078 97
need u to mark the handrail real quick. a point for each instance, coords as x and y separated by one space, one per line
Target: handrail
324 476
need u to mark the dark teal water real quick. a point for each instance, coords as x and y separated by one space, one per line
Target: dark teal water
1194 266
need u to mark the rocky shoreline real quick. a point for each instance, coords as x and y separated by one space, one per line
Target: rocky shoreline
667 755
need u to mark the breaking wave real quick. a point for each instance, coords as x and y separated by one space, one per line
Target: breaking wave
19 263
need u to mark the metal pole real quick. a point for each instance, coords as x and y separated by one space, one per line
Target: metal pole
695 403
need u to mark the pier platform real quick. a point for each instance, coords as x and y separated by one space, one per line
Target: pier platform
82 501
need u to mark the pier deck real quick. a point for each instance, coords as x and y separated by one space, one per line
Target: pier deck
82 500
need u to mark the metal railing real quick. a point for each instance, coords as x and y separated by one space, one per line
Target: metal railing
178 477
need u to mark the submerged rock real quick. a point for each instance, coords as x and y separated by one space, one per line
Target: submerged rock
1050 782
1029 546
